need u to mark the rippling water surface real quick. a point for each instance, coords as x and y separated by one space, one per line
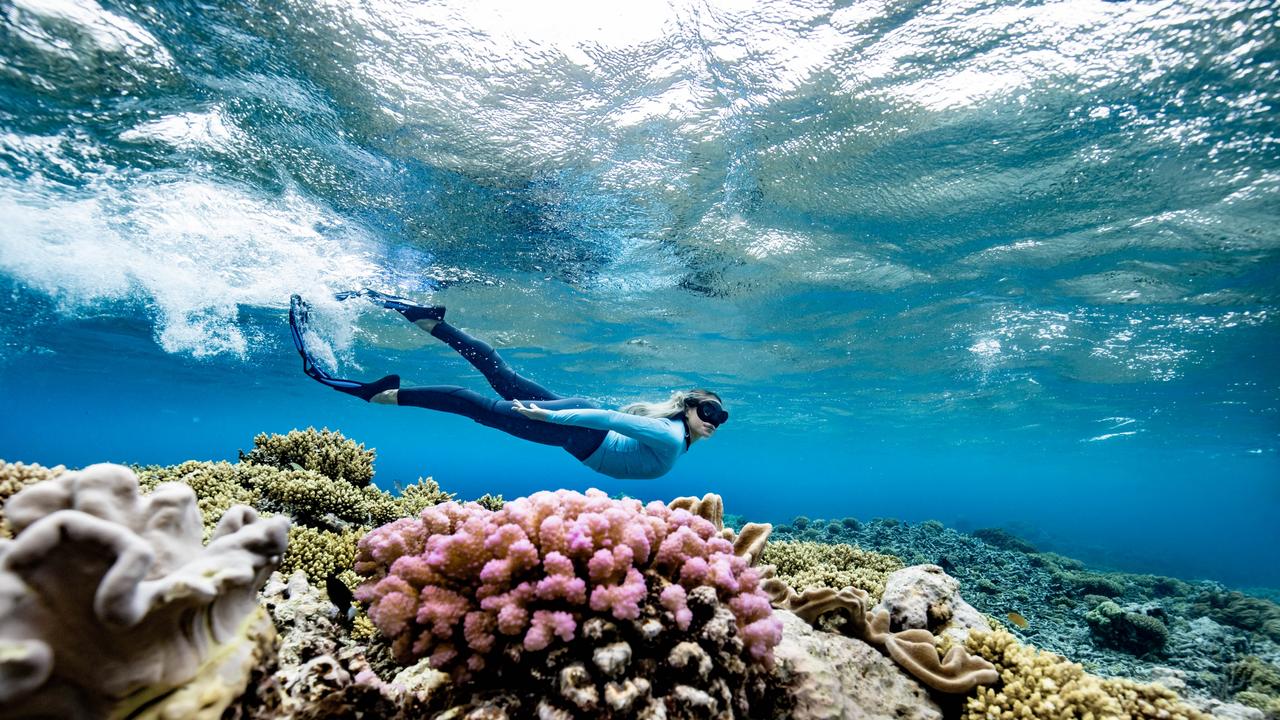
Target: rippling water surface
987 262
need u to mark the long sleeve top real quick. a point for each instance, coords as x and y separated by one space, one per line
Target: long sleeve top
635 447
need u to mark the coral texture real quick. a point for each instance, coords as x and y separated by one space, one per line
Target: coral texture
914 649
15 477
923 597
1036 684
323 451
329 512
320 672
805 565
110 603
832 676
650 666
1133 631
462 585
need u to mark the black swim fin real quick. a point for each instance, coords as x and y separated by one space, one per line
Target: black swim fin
299 314
412 311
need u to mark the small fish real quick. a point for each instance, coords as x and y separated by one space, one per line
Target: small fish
296 466
1017 619
339 594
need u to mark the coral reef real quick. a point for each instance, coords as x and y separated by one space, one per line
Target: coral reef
1052 592
1037 684
534 568
923 597
832 676
321 672
328 511
319 553
809 564
1254 682
1239 610
15 477
1136 630
599 607
1003 539
110 603
326 452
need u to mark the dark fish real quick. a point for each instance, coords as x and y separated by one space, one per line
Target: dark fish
946 564
339 594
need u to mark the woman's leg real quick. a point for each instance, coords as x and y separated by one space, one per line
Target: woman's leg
500 414
505 381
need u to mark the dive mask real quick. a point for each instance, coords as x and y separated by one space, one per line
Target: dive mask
710 411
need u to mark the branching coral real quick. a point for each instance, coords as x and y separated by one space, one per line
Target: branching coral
319 553
809 564
15 477
1036 684
109 601
326 452
327 509
460 584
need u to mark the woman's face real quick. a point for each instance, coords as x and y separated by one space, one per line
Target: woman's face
698 428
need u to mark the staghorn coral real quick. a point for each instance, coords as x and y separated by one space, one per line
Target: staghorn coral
323 451
463 585
805 565
16 476
111 605
1037 684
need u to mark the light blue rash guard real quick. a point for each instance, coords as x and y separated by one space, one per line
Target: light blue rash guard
635 448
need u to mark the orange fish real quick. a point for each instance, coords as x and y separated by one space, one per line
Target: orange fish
1018 620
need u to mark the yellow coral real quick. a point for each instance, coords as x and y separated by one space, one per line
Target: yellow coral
324 451
308 496
1040 685
810 564
419 496
15 477
320 553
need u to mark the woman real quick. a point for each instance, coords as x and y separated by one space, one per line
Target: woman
642 441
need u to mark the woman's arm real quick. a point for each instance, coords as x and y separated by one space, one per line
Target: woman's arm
644 429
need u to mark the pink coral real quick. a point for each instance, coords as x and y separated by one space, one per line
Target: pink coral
460 583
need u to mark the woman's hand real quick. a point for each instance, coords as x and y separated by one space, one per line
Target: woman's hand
533 412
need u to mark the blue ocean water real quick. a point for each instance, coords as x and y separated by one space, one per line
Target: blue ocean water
992 263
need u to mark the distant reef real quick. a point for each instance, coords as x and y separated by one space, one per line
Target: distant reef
288 585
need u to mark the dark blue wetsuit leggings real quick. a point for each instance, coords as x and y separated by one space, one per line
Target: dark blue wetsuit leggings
500 414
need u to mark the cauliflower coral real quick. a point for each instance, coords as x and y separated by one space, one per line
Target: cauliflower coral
461 582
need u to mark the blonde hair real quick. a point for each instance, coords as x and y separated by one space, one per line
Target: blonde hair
672 408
